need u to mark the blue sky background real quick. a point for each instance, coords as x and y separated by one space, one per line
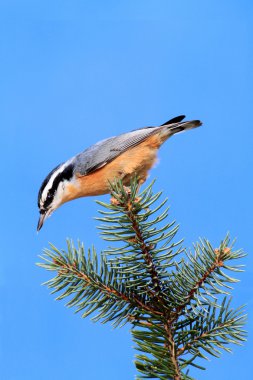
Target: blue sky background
75 72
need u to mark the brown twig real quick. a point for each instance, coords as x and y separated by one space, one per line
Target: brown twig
174 316
182 350
107 289
172 351
157 289
145 249
188 345
217 263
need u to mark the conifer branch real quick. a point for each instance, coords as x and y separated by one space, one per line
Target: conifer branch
67 269
172 351
217 263
146 251
176 305
128 204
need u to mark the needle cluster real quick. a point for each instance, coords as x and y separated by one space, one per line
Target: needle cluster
177 301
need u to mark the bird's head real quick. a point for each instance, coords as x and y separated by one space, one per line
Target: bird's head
52 193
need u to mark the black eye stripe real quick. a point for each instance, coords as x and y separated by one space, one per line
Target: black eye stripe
66 174
50 196
45 182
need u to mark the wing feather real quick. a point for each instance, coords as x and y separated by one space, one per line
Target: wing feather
98 155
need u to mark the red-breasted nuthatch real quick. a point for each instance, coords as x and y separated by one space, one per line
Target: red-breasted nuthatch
91 172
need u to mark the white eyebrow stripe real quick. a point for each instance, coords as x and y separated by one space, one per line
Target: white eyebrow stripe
51 181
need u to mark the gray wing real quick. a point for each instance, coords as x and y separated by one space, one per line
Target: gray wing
98 155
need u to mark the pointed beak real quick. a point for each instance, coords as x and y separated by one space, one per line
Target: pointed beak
42 218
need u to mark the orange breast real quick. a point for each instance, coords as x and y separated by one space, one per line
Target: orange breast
135 161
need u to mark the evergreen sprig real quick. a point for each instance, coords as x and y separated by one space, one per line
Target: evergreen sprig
178 304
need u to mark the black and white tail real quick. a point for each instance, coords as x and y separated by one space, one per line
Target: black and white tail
176 125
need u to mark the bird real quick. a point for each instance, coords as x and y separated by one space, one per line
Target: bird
91 172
